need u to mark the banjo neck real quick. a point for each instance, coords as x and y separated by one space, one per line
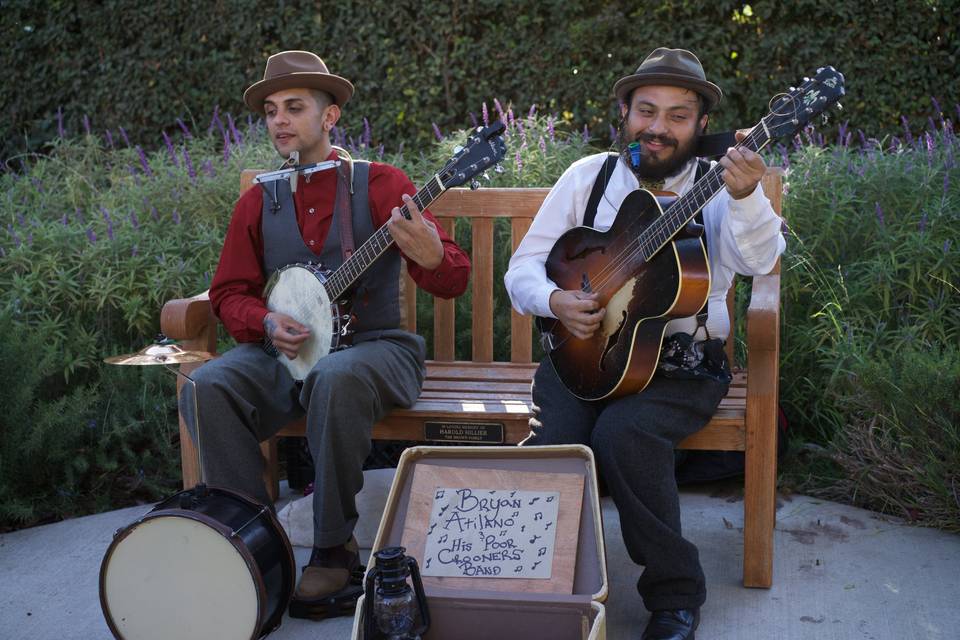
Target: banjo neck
377 244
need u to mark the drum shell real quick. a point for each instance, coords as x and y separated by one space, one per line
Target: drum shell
250 527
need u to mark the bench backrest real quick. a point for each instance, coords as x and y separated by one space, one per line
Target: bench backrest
482 207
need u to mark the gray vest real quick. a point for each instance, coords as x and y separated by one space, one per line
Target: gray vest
375 296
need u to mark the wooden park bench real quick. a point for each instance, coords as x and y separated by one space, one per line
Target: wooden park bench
482 400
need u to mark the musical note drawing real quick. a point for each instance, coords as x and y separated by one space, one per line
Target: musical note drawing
534 499
443 539
492 492
548 526
515 514
534 539
523 528
538 515
534 565
428 562
542 552
439 495
519 568
550 498
512 493
503 532
445 507
432 527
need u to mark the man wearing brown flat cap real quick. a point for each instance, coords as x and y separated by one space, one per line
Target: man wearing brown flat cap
665 107
245 396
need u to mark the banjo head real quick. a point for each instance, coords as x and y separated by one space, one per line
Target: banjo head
298 291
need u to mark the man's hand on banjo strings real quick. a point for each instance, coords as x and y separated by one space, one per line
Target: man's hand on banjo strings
286 333
417 237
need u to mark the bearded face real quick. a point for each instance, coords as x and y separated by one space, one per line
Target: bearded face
665 121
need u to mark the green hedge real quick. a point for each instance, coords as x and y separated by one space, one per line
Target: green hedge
143 65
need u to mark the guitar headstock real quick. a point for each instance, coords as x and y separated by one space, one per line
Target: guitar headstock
483 149
791 112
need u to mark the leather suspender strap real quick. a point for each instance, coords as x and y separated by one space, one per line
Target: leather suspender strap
344 211
599 186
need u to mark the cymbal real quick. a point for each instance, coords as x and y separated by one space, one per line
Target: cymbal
161 354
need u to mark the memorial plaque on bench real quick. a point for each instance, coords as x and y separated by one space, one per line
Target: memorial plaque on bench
485 432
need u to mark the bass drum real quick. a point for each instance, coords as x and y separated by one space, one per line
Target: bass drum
204 563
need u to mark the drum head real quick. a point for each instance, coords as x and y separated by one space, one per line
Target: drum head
299 293
172 576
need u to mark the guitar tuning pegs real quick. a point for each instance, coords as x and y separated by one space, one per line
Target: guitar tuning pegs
824 118
474 184
486 176
839 107
457 149
498 168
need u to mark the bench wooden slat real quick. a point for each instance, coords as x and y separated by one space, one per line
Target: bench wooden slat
490 203
482 290
444 330
521 326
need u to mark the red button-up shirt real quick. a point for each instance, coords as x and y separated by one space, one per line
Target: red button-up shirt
236 292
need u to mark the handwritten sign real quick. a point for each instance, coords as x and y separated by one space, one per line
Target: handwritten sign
491 533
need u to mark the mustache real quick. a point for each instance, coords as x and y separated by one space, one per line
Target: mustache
658 139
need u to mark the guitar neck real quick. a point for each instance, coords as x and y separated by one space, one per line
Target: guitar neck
683 210
378 243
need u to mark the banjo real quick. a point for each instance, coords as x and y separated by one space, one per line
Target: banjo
318 298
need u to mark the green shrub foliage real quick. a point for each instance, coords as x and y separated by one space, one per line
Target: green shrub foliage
143 65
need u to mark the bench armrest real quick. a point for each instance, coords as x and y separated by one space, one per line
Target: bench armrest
191 322
763 314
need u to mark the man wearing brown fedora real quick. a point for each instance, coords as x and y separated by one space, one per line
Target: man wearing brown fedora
664 109
245 396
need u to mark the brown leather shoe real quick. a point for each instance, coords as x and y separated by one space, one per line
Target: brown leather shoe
328 571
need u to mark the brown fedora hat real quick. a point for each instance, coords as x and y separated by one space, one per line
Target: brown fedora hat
674 67
296 70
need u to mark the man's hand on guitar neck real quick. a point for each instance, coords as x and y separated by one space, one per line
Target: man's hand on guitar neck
286 333
578 311
743 169
417 237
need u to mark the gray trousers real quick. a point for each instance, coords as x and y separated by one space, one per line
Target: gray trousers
245 396
633 439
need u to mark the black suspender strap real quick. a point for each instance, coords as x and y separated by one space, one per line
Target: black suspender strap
599 186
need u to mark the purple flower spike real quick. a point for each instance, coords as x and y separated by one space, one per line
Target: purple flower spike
521 130
143 162
380 152
930 147
863 140
946 183
936 107
543 146
170 151
436 132
189 163
176 216
215 122
86 123
842 133
946 246
226 149
519 162
134 221
78 215
123 134
60 130
208 167
21 221
923 222
498 106
906 130
510 118
237 140
105 214
473 119
91 236
133 251
550 130
109 138
533 110
185 129
65 221
880 217
110 232
586 134
486 115
367 135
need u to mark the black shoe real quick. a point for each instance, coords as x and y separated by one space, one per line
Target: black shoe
672 624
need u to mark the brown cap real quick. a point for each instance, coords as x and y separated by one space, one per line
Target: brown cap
296 70
674 67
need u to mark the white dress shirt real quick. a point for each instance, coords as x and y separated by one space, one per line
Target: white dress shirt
743 236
